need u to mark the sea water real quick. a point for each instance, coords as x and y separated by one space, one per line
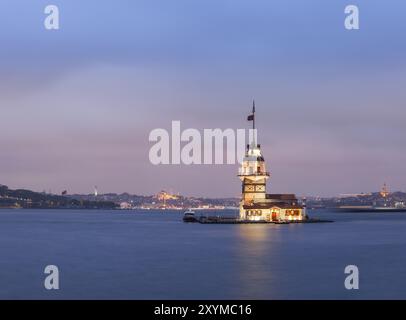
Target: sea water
154 255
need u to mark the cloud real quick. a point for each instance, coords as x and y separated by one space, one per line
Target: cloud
77 106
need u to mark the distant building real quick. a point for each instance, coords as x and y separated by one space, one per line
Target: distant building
125 205
163 195
384 191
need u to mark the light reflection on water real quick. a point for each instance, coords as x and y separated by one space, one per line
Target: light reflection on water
255 243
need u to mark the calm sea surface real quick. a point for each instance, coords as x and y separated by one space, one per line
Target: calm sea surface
153 255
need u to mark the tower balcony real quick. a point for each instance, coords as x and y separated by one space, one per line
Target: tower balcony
243 172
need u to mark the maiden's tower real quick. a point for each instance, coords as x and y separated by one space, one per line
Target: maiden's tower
256 204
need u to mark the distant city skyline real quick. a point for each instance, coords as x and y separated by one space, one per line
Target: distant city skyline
78 104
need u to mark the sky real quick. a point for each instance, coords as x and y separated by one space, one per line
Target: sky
77 104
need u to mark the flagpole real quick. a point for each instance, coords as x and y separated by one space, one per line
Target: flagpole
253 121
253 113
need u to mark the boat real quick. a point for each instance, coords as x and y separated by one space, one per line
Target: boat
189 216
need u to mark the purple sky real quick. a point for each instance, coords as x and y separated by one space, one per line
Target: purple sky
77 105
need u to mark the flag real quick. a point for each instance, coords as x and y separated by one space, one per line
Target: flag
251 116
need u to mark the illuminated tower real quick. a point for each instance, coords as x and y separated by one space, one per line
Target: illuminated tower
256 205
252 173
95 191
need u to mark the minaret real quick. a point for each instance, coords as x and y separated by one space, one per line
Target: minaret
385 193
252 173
